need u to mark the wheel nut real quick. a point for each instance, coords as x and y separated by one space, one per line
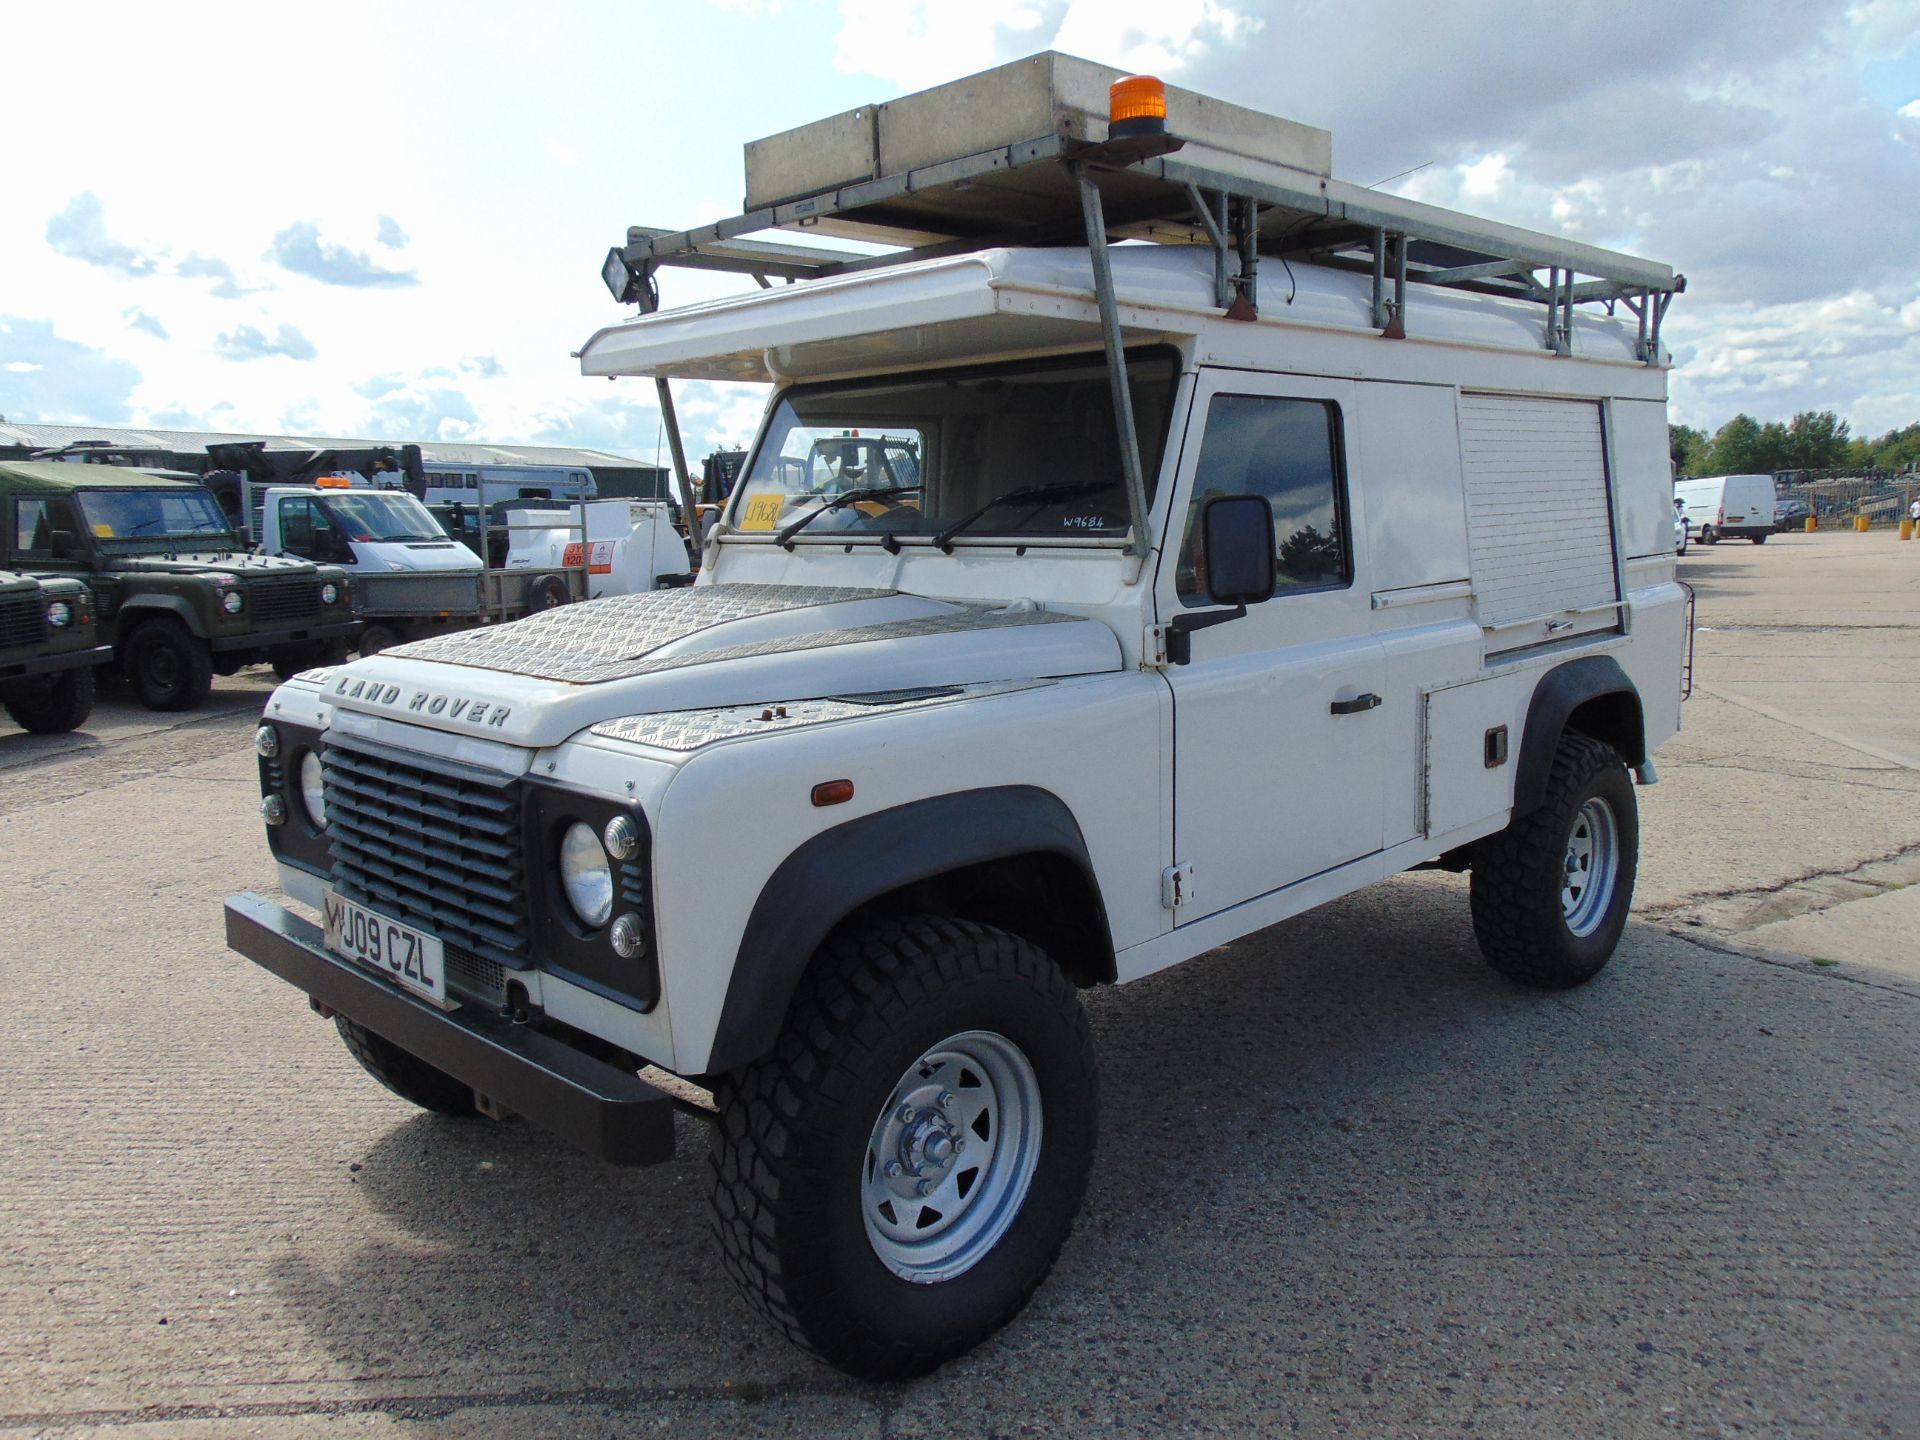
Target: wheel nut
959 1145
905 1115
923 1189
892 1169
946 1099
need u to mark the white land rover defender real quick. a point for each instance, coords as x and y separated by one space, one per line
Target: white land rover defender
1081 608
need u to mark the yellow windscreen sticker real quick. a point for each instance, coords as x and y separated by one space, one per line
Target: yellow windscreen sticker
762 511
104 532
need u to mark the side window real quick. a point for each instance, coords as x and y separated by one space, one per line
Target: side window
1288 452
34 522
296 526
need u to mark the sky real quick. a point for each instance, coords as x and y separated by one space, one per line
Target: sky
388 220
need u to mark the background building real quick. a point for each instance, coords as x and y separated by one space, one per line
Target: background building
187 450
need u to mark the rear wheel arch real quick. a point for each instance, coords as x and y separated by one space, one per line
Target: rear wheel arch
1009 856
1590 696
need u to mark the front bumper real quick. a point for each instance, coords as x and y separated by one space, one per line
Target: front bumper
597 1107
63 660
273 639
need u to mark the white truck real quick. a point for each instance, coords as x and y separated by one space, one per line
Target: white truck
1727 507
411 579
1213 594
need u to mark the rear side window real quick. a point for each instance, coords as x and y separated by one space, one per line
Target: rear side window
1288 452
34 522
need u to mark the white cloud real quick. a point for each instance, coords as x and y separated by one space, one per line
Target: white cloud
246 342
1911 110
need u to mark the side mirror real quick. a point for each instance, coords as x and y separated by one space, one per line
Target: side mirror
1236 534
60 544
1238 565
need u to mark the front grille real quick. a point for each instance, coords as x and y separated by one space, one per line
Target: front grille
435 847
23 620
290 601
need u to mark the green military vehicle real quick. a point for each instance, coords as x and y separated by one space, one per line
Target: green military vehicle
177 597
49 645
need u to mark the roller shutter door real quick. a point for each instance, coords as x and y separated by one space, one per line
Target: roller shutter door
1539 517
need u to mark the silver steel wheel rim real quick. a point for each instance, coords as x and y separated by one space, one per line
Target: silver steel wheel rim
951 1157
1591 866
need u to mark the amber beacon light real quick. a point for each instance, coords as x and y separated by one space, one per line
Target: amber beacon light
1136 105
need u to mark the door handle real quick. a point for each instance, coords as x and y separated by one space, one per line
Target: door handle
1356 705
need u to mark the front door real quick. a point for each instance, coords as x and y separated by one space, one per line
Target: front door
1278 717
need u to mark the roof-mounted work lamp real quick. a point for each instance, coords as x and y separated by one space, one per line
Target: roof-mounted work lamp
623 281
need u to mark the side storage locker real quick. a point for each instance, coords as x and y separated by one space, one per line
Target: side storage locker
1539 518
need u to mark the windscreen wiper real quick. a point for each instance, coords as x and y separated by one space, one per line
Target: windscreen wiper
1035 495
850 497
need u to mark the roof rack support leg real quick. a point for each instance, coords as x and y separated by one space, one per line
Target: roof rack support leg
1659 303
1379 279
670 420
1095 217
1216 233
1395 253
1245 224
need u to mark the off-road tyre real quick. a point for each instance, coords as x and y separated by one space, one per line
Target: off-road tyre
791 1153
376 638
1520 876
405 1075
169 668
294 660
57 707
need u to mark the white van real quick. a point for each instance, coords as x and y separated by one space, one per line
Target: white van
1728 507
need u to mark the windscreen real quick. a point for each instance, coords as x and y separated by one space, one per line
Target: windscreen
381 515
178 512
917 455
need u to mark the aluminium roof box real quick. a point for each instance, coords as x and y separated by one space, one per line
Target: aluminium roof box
1045 95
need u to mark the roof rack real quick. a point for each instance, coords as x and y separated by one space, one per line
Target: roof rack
1025 155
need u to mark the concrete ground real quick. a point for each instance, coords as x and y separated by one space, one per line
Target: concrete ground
1349 1182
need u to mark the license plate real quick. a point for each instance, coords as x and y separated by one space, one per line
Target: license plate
410 957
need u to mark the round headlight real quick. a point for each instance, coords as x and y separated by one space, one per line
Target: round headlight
232 601
59 613
312 791
266 742
329 593
585 875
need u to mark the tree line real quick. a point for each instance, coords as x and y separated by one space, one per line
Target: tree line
1812 440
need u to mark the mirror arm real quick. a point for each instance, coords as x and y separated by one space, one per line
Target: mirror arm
1180 630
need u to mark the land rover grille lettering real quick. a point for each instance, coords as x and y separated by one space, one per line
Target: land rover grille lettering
431 846
23 619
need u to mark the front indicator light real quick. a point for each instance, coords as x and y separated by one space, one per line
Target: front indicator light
585 875
626 937
273 810
620 838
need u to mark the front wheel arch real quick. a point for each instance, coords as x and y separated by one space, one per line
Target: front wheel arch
957 853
